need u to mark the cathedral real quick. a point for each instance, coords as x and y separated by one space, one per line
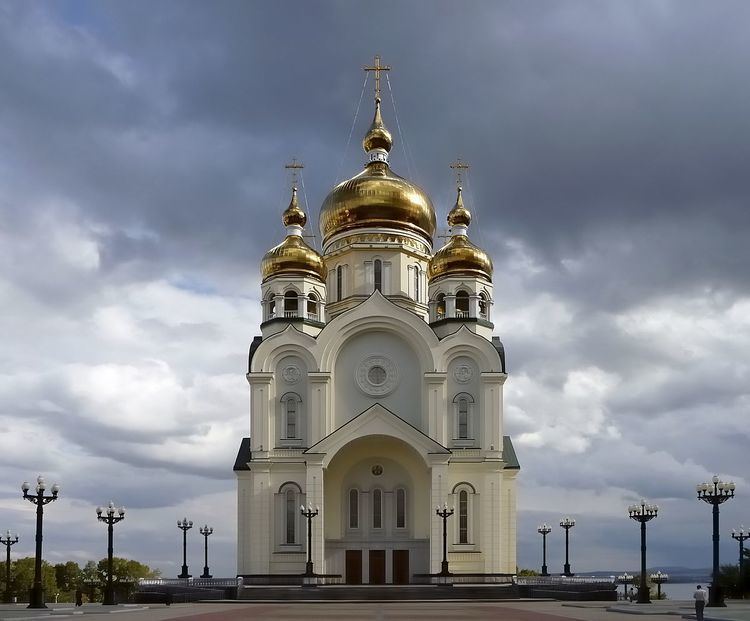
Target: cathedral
376 395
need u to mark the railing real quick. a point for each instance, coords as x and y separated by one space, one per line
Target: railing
290 314
462 314
196 582
547 580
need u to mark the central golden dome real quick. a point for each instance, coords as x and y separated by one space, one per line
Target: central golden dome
377 197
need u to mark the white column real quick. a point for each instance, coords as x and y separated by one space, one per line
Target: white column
435 415
387 284
314 492
492 411
320 411
260 523
491 522
450 305
278 299
473 306
262 414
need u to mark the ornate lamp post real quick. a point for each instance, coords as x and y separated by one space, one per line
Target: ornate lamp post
643 513
8 542
205 530
567 524
110 519
36 594
445 513
715 493
309 513
740 536
625 579
658 579
544 530
184 526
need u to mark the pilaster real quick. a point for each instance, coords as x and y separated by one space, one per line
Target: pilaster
314 493
492 415
320 406
434 416
439 490
262 418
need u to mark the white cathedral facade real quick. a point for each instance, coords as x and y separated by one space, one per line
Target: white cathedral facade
376 394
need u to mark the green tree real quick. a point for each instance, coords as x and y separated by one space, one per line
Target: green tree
526 572
729 579
67 575
22 577
125 573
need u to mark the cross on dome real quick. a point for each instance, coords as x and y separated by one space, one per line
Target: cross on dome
377 68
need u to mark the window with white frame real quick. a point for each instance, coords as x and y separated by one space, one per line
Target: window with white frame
289 500
291 416
378 275
463 406
377 508
462 304
353 508
400 507
465 496
339 283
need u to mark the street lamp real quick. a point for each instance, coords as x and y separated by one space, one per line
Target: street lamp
715 493
740 536
445 513
544 530
625 579
658 579
8 542
643 513
567 524
205 530
110 519
184 526
309 513
36 594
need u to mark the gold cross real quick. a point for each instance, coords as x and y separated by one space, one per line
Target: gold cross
458 166
294 167
377 68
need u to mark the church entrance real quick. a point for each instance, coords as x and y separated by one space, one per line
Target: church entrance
353 567
401 567
377 566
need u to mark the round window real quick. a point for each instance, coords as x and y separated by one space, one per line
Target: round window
377 470
377 375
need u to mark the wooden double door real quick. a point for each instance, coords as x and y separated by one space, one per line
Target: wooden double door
376 566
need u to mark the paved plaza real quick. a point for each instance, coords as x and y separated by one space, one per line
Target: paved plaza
385 611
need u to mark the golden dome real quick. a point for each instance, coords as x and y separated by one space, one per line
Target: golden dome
377 197
293 214
459 257
293 257
459 215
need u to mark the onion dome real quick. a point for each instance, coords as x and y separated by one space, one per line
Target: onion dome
293 257
377 197
459 257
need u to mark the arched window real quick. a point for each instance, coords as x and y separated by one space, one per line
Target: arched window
440 306
289 499
377 508
462 304
353 508
312 306
290 517
291 418
378 270
400 508
291 304
463 418
464 426
463 516
339 283
417 277
483 307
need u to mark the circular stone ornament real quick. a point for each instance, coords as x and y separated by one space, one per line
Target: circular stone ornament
377 376
377 470
291 374
463 373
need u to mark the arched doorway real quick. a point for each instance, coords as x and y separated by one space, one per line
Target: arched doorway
377 499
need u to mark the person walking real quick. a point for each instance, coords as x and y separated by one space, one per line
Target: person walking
700 597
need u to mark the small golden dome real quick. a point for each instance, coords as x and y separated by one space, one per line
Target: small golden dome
459 215
377 197
293 215
459 257
378 136
292 257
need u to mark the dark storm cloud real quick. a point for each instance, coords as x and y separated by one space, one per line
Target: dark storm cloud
609 142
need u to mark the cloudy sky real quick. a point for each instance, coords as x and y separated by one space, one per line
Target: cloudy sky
141 179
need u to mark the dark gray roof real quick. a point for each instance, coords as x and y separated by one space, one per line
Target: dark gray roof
253 348
244 455
509 455
500 348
